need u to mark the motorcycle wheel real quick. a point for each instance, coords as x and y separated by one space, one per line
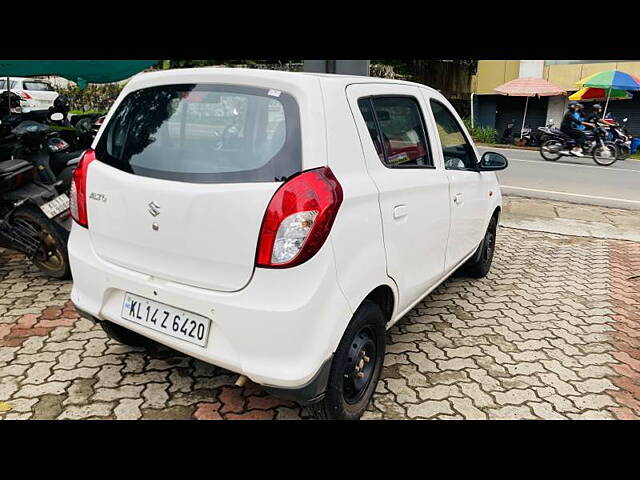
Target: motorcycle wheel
606 154
623 151
53 258
550 150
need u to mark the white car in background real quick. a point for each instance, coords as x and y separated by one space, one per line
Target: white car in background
36 94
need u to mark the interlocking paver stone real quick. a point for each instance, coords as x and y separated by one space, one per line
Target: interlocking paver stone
552 332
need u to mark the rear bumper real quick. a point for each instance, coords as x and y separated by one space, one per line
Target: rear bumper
280 330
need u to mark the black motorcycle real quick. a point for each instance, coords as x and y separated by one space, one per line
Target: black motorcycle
621 137
559 144
34 218
507 135
77 130
51 155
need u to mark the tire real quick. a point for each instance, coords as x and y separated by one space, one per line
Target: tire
347 396
624 151
125 336
54 241
551 155
598 152
479 264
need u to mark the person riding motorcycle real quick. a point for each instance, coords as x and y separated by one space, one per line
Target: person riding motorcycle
573 124
595 116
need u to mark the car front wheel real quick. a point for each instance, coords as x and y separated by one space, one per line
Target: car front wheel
480 264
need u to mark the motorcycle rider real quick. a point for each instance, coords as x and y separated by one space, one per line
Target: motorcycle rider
595 116
573 124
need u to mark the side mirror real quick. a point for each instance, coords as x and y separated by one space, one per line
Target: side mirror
56 117
492 161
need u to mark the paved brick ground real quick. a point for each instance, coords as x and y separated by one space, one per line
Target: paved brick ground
552 332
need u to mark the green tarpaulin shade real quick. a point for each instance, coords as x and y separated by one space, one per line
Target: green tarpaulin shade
81 72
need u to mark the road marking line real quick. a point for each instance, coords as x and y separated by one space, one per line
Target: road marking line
571 194
614 170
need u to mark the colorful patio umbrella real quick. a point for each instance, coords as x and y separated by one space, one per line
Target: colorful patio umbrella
588 93
611 80
528 87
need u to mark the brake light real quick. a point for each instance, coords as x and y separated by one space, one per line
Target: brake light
299 219
24 95
78 193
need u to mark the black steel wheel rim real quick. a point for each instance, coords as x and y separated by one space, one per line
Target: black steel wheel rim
360 366
489 245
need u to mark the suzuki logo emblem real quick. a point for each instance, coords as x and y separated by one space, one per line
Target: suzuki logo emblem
154 209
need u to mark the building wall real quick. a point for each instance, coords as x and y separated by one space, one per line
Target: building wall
492 73
531 68
564 73
555 109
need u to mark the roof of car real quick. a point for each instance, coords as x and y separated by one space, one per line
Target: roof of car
272 74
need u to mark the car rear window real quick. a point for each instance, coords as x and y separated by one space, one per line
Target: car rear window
3 84
38 86
204 133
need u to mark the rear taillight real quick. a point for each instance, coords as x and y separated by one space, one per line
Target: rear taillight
299 219
78 193
24 95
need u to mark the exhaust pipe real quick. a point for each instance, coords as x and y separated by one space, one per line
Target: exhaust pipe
242 379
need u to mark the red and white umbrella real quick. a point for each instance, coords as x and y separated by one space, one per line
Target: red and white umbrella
528 87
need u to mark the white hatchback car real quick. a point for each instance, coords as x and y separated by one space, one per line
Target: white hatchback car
36 94
275 223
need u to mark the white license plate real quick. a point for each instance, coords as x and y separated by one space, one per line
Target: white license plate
56 206
163 318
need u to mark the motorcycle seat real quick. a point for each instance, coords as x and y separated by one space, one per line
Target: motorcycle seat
11 166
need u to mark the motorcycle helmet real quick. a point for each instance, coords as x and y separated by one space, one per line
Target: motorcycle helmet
572 105
579 106
597 107
62 103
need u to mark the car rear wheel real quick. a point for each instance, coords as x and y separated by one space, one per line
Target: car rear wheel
356 366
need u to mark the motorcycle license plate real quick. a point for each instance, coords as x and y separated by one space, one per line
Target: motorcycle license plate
56 206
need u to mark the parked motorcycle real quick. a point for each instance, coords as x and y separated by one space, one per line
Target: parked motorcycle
559 144
34 218
76 131
507 135
51 155
621 137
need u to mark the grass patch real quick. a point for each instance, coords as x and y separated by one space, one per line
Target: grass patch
88 112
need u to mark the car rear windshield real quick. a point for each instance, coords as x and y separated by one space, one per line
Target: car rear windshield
204 133
3 84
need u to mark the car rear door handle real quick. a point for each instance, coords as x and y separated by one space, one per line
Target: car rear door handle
458 199
400 211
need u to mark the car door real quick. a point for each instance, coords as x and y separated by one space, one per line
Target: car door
413 190
468 188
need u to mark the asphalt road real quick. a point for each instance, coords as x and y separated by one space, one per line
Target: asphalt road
577 180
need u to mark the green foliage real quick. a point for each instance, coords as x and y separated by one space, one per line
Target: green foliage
96 97
481 134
